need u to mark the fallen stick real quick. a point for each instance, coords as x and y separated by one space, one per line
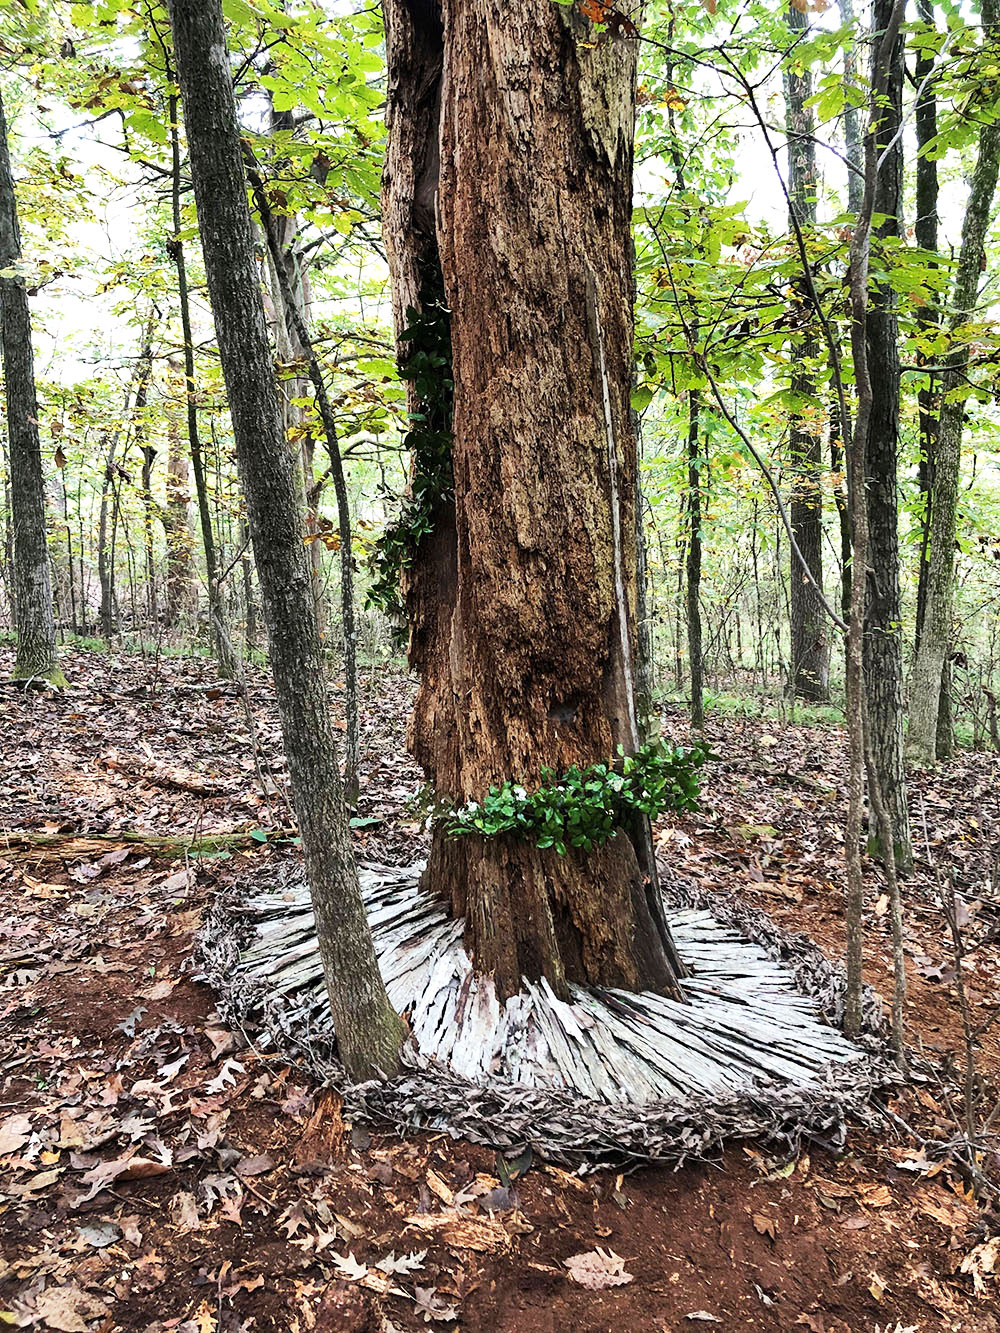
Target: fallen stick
75 846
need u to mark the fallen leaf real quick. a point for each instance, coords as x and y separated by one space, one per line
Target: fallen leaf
14 1134
69 1309
597 1269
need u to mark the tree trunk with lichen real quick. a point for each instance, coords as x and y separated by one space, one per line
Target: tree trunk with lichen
509 173
37 657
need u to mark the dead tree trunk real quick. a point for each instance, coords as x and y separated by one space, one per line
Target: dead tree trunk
368 1031
522 614
809 676
37 657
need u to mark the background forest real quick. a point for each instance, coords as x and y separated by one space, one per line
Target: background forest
147 539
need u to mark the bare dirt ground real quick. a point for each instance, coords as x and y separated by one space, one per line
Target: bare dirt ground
156 1173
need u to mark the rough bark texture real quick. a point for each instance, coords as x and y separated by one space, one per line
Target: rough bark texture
883 625
368 1031
522 621
924 736
37 658
810 653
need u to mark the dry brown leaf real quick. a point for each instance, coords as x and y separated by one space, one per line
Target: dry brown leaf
598 1269
15 1132
69 1309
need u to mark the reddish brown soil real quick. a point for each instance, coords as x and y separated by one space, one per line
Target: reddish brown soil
259 1209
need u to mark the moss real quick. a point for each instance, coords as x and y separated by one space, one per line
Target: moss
53 674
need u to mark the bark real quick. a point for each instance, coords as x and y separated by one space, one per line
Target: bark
37 657
692 586
925 228
224 655
928 669
883 623
368 1031
859 744
522 612
809 676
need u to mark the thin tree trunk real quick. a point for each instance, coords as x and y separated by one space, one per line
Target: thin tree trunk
296 321
369 1033
883 629
37 657
692 586
648 726
148 453
928 669
224 655
925 228
809 675
856 453
528 641
174 517
853 139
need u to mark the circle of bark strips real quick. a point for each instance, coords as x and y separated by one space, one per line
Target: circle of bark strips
608 1078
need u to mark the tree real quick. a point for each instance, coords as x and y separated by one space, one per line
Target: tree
37 658
692 581
810 653
883 625
225 655
935 631
507 208
369 1032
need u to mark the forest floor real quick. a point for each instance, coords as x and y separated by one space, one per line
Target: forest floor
158 1174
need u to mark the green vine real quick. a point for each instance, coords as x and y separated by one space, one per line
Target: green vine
427 366
585 807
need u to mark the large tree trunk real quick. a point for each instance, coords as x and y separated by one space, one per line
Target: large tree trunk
924 736
37 657
810 654
883 625
522 612
368 1031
